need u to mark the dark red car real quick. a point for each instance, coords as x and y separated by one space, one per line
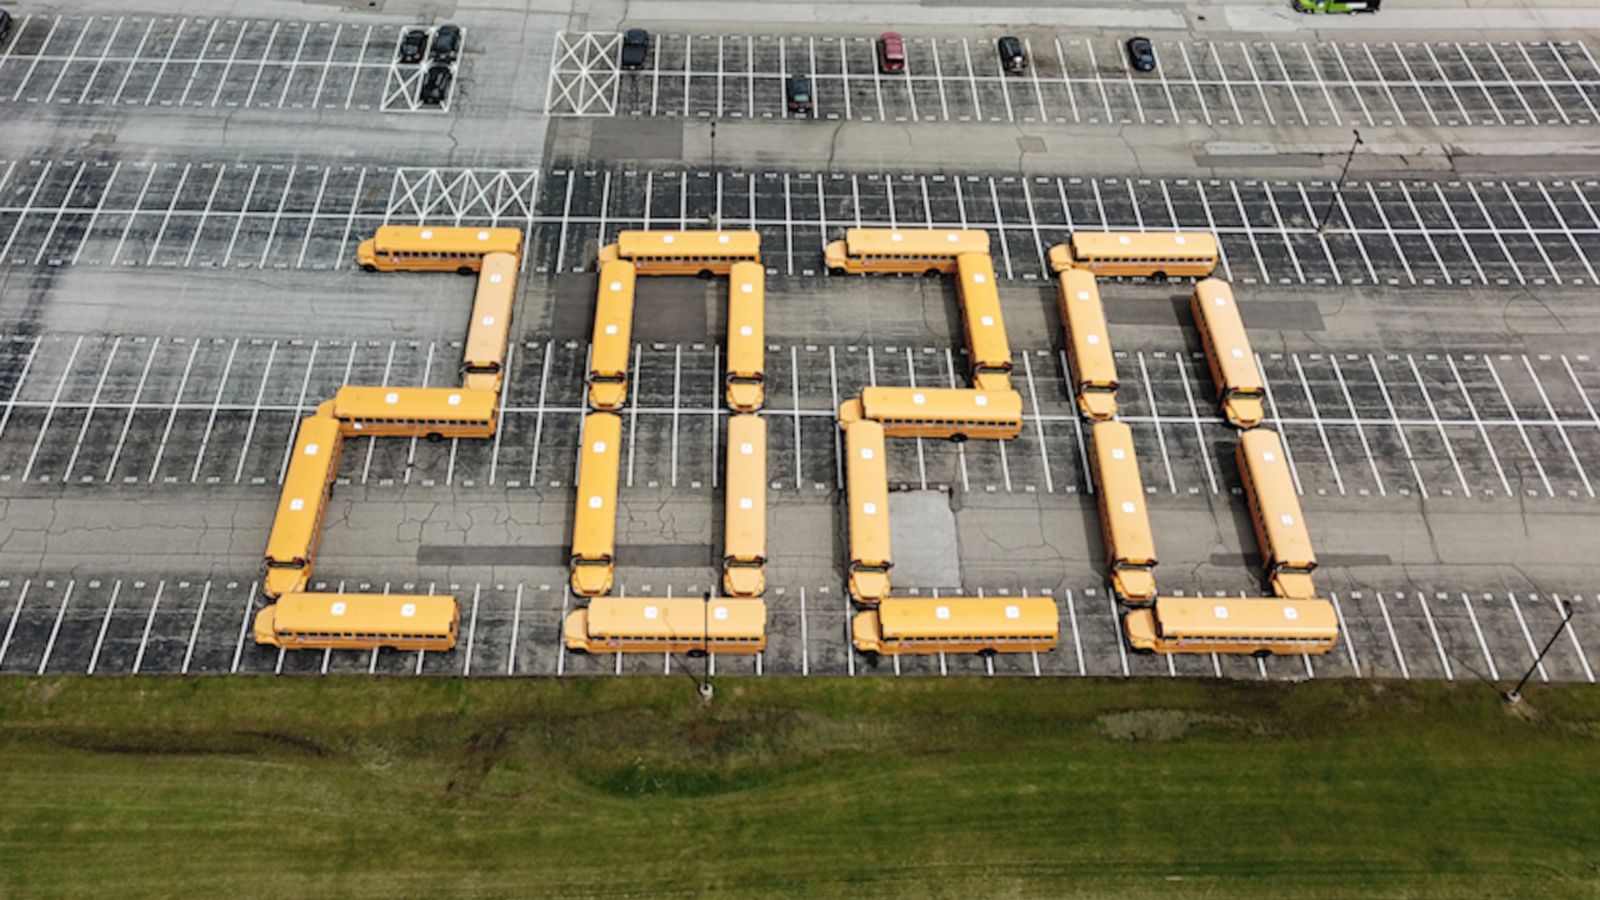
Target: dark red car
891 52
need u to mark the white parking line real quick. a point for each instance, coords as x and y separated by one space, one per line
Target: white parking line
1483 432
49 414
55 630
16 611
1533 651
1388 624
105 623
1517 420
194 631
1561 428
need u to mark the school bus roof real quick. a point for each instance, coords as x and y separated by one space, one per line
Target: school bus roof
491 310
315 460
1087 244
359 402
1218 312
739 244
1261 458
594 525
746 319
1083 315
745 490
912 617
676 617
1246 617
366 613
892 403
915 241
1122 492
447 239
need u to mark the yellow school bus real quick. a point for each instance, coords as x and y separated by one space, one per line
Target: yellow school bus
303 505
688 625
747 337
1124 520
312 621
1259 626
435 248
703 253
484 359
867 492
902 250
1138 254
613 336
744 522
1286 552
988 349
1093 367
953 413
433 413
982 625
594 525
1232 363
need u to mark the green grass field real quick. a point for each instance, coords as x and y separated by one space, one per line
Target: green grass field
820 787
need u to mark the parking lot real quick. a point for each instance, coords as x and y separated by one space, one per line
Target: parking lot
197 626
227 63
1073 79
173 412
56 212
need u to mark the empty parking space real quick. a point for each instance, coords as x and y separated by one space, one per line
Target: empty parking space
201 62
1088 80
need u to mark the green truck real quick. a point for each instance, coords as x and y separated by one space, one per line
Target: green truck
1337 6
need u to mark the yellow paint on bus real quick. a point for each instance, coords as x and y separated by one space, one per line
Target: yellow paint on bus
988 349
1138 254
1232 363
1093 367
434 248
954 413
702 253
902 625
667 625
1259 626
902 250
433 413
1286 552
483 362
1124 520
320 621
594 524
867 492
613 336
744 523
747 337
302 505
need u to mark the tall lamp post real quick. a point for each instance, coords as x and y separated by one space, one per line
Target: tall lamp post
1514 695
716 216
1338 188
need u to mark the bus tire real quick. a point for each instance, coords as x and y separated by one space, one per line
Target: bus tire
697 654
705 274
958 438
932 273
368 267
988 653
1158 275
1261 654
465 270
577 651
435 437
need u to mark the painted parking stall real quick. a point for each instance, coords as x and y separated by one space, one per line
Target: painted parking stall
208 63
1080 80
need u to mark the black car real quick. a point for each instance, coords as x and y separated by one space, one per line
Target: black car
446 43
1012 57
800 93
435 86
1141 54
413 46
635 47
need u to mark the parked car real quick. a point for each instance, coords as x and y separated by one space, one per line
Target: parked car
891 52
635 48
800 99
446 43
436 85
1141 54
1012 57
413 46
5 24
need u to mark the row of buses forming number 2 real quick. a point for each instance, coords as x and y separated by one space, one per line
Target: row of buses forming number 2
302 619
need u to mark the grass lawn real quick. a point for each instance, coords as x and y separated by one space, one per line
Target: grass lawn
815 787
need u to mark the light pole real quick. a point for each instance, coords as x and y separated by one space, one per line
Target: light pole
1514 696
706 690
716 217
1338 188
